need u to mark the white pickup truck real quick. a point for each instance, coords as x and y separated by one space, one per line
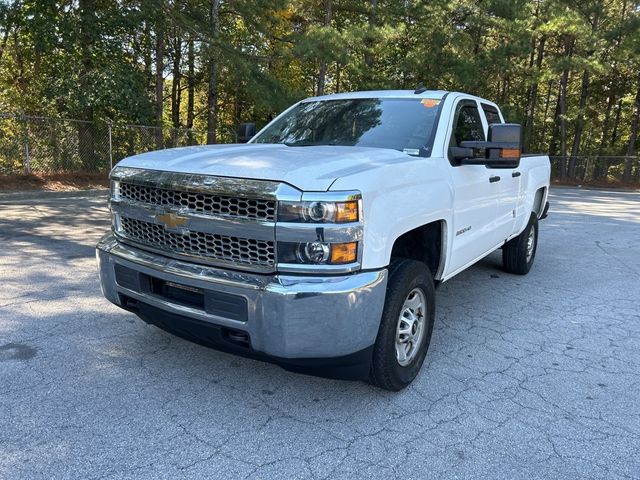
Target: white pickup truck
317 245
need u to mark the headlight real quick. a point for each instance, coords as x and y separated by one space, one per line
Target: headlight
115 189
317 253
322 232
319 212
313 252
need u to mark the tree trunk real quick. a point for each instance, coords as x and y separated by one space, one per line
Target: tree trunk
545 117
532 96
611 100
598 171
616 124
159 79
322 73
370 41
633 137
5 38
575 149
614 138
561 110
477 40
526 128
191 87
212 89
147 55
563 103
175 84
237 109
584 94
555 135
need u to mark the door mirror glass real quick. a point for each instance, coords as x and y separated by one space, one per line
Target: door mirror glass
505 133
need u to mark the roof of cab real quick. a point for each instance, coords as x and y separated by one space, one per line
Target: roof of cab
435 94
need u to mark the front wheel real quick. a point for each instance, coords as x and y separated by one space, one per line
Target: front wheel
405 327
518 254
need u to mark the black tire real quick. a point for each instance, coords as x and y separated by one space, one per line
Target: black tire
515 257
405 276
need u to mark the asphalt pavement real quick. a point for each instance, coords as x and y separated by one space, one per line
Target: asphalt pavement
527 377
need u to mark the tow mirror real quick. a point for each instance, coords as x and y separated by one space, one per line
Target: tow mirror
246 131
502 150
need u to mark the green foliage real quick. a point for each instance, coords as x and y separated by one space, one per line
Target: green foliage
95 59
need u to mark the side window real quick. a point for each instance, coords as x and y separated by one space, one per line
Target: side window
467 124
491 113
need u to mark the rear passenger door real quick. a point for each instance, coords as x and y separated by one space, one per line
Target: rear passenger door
508 184
475 192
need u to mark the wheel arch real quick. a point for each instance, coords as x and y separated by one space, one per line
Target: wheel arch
539 201
426 243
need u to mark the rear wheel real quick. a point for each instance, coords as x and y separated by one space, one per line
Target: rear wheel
405 327
519 253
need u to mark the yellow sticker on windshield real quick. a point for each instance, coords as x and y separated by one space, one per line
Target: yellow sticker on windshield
430 102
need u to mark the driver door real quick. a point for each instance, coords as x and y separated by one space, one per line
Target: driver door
476 193
509 186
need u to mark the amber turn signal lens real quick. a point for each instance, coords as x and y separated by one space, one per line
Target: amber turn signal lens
510 153
347 212
344 252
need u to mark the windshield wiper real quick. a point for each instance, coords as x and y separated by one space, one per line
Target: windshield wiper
300 144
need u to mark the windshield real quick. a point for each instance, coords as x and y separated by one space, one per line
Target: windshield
404 124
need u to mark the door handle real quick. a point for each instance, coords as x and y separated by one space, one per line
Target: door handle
494 179
515 174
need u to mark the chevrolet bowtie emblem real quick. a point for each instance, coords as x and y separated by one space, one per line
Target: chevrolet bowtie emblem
172 221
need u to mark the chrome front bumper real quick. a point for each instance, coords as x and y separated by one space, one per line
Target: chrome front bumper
288 316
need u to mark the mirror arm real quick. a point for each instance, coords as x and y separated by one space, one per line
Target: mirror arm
474 161
460 153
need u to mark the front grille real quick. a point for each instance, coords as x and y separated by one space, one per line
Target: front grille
201 202
207 245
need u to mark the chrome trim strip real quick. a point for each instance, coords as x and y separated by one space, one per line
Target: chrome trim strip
320 269
202 183
332 196
325 232
217 224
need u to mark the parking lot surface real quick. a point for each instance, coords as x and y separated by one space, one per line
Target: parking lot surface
527 377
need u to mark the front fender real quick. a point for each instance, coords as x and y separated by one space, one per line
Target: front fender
399 197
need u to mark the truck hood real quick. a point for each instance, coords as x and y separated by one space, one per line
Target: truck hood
307 168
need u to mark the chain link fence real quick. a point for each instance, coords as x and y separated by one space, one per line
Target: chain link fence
32 144
43 145
46 145
596 169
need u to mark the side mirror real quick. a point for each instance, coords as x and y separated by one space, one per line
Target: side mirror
246 131
502 150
